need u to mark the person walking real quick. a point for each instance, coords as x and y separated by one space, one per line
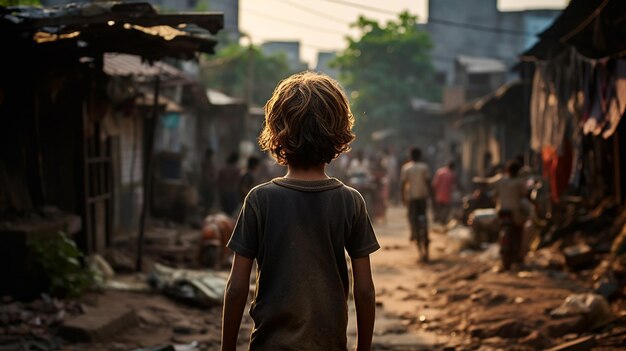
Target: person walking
228 179
208 180
444 183
249 178
298 227
510 195
390 162
416 189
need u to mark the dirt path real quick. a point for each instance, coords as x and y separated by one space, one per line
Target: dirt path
461 301
455 302
401 289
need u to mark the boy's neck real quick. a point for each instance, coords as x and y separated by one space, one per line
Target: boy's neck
311 173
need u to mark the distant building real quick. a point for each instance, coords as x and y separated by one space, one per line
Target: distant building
453 24
479 75
323 60
475 47
290 48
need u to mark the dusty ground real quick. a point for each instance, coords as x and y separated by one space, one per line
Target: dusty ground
462 301
458 301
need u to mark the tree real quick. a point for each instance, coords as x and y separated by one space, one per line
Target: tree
20 2
235 69
384 69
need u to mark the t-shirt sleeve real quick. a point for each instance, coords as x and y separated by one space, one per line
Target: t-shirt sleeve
362 240
245 239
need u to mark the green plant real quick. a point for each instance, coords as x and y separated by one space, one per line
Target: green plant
20 2
61 261
384 68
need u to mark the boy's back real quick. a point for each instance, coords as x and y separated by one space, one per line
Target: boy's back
297 231
298 227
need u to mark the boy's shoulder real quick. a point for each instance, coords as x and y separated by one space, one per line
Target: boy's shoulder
261 189
280 185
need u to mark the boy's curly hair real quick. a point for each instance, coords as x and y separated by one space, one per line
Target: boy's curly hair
308 121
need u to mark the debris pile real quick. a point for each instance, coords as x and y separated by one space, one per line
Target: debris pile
29 326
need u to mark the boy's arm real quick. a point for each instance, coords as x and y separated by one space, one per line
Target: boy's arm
365 302
235 298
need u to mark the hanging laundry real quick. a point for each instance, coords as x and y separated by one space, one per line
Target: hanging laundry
616 98
557 168
595 120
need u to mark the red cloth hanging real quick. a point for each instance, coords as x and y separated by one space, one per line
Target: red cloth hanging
557 168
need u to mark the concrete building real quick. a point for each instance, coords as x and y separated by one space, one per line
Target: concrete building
290 48
475 47
476 28
323 60
479 76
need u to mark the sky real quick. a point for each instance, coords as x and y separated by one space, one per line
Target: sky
322 25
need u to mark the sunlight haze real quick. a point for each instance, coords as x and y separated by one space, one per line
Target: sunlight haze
323 26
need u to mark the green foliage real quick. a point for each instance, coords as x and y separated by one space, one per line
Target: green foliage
229 70
20 2
202 5
384 68
61 262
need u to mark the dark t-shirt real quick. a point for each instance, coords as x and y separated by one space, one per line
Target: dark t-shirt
299 231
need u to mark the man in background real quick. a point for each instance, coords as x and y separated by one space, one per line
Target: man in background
415 178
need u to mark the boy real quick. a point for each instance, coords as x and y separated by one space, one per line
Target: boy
297 228
510 192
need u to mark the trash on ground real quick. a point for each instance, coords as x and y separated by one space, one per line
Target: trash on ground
595 308
197 287
460 238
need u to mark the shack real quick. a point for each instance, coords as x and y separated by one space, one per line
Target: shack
57 102
493 128
577 76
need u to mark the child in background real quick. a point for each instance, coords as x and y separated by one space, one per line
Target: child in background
297 228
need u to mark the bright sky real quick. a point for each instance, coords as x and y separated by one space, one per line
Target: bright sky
322 25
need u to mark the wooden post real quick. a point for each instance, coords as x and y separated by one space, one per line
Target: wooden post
147 173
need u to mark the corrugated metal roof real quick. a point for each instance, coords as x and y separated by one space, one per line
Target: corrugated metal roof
90 29
131 65
147 99
481 64
595 28
512 87
219 98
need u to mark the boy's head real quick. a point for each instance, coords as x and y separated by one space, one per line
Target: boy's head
415 153
308 121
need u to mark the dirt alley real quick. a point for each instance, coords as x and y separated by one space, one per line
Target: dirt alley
455 302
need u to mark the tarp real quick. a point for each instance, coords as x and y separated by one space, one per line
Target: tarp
596 28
